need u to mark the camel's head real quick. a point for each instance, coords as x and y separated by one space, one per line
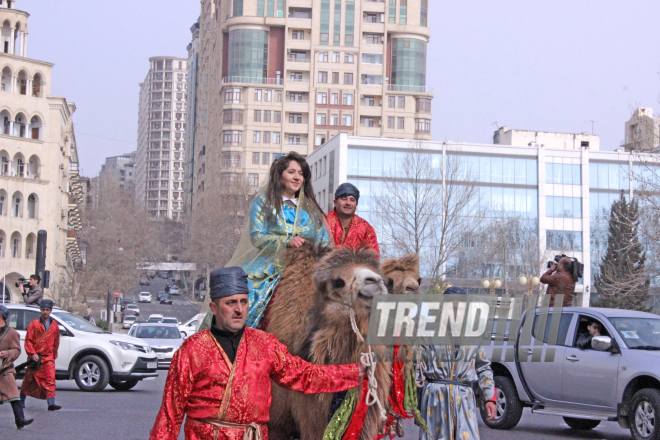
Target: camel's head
351 277
402 275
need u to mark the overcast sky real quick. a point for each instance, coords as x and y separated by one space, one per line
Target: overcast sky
550 66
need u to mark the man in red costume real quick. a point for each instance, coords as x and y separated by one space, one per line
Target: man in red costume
41 344
347 228
220 377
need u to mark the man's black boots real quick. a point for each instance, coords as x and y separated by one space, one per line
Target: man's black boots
21 421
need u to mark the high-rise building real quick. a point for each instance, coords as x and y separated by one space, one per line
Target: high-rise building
39 182
120 168
161 137
191 115
642 131
276 78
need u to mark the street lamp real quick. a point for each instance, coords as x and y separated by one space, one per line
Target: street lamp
492 284
530 281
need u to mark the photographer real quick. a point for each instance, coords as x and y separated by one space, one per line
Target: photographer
35 293
559 279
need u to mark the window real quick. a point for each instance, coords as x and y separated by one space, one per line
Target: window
253 180
320 139
375 80
347 99
257 116
294 139
267 115
403 11
373 38
232 137
368 122
335 77
256 137
569 174
265 158
322 98
296 76
323 77
391 18
348 78
391 121
276 137
295 118
423 105
298 35
278 96
230 160
336 56
372 58
295 97
257 94
347 120
371 18
266 137
402 102
400 123
233 116
369 101
423 20
563 207
349 58
321 119
334 119
423 126
277 116
568 241
268 95
391 102
323 57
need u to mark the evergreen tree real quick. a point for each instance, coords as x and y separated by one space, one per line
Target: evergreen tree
622 282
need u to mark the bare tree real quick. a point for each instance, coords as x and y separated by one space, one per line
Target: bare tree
426 208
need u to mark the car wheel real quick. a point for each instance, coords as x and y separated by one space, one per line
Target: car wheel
123 385
508 405
644 414
91 374
184 334
581 424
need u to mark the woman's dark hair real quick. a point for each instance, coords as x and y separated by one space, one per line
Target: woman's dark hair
276 184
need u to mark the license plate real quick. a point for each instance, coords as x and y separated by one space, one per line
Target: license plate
151 365
161 356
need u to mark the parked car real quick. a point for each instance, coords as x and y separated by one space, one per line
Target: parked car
125 302
174 290
166 299
144 281
133 308
164 340
163 274
144 297
129 320
617 378
90 356
189 327
170 320
155 317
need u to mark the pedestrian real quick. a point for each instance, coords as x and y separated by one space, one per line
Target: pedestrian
560 281
10 349
349 229
447 402
35 293
89 316
220 378
41 344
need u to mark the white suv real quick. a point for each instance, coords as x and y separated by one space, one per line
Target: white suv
189 327
92 357
144 297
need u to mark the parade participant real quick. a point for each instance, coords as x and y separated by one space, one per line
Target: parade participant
10 349
41 344
347 228
220 378
448 402
285 215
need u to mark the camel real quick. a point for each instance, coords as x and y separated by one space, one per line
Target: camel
310 314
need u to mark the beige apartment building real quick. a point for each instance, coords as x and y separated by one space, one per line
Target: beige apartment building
39 183
278 76
642 131
162 137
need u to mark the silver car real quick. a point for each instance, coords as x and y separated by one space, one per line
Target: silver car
164 340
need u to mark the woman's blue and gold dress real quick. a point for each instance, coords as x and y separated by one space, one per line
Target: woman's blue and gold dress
271 238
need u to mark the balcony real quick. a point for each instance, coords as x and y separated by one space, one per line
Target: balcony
409 89
252 80
299 44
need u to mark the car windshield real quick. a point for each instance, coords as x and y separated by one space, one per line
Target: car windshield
170 321
638 332
132 306
154 320
157 332
78 323
130 318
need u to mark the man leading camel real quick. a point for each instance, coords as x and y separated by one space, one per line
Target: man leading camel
220 377
347 228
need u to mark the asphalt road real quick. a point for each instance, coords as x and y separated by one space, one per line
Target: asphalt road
182 307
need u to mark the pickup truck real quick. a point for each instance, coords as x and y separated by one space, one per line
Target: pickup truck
616 379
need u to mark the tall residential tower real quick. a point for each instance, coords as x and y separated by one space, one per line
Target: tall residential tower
276 78
161 137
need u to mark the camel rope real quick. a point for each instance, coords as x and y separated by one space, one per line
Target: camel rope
369 361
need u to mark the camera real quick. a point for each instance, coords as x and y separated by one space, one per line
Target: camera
24 282
577 268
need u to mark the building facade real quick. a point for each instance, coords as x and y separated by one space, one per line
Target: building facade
161 137
279 76
121 169
191 115
642 131
549 139
561 197
39 182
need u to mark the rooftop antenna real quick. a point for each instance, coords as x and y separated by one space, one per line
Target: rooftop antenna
592 126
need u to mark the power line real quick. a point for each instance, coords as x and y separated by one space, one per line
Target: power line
107 139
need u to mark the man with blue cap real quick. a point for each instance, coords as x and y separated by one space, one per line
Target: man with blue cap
349 229
451 373
41 344
220 377
10 349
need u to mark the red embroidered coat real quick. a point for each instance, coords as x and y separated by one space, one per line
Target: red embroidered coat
360 232
38 340
197 385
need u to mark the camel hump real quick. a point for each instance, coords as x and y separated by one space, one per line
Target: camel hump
307 252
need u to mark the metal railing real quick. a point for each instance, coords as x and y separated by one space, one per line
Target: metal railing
252 80
409 89
301 80
299 60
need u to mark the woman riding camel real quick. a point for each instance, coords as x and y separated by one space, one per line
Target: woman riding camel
284 214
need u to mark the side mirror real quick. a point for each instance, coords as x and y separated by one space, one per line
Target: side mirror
601 343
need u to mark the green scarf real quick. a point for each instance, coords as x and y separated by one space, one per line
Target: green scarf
342 417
